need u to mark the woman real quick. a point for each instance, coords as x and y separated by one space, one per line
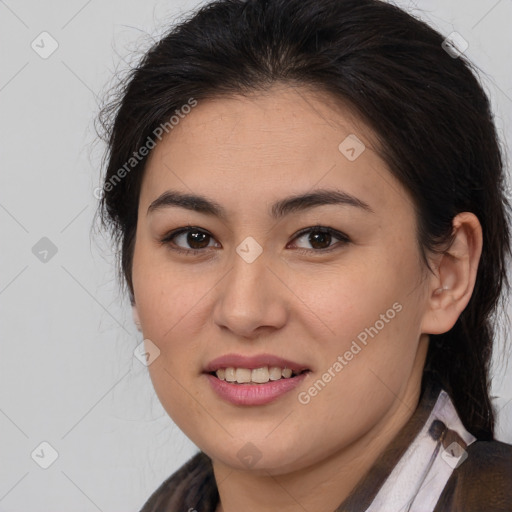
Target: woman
308 200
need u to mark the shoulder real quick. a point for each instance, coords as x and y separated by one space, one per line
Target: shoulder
482 482
192 486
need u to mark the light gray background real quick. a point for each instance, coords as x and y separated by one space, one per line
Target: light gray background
68 375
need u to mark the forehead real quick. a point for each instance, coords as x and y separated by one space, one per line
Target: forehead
260 145
275 120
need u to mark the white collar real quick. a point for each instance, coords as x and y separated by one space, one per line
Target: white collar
418 479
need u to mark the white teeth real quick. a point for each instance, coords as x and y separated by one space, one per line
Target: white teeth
257 376
287 373
275 373
243 375
260 375
229 375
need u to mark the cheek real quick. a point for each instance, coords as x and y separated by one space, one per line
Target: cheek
172 302
168 302
371 317
167 295
182 401
351 296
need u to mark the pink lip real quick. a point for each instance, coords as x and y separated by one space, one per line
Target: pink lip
254 394
252 362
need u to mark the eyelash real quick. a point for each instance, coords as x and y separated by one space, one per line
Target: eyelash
344 239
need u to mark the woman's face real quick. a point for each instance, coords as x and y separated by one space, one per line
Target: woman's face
332 283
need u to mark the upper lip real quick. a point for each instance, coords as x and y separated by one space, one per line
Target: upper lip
252 362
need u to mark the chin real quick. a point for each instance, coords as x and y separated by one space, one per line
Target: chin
260 458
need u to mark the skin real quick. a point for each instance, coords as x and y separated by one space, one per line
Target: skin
245 153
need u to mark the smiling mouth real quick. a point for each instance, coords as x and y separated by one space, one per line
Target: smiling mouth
261 375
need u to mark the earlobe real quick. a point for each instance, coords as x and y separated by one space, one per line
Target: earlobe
452 284
136 318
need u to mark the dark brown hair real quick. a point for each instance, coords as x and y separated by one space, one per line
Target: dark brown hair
431 116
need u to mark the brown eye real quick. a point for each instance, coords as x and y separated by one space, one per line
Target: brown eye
196 239
320 239
188 240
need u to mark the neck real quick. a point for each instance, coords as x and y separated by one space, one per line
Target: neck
324 485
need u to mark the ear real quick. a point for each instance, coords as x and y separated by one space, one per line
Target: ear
136 318
452 284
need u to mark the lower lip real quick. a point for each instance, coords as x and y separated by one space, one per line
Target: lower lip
254 394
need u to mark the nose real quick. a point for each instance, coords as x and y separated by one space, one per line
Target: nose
252 299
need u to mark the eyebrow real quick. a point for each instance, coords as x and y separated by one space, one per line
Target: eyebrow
283 207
